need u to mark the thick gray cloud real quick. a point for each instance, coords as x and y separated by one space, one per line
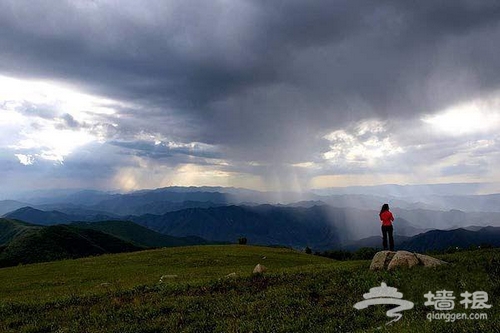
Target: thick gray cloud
159 150
261 84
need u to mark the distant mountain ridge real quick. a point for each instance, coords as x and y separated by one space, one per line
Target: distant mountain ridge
7 206
298 226
317 226
436 240
37 216
437 197
374 242
217 213
444 239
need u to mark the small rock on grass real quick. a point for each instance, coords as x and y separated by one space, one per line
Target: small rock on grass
168 276
259 269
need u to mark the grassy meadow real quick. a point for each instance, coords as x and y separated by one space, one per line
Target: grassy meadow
299 292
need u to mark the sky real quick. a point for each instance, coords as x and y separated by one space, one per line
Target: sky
268 95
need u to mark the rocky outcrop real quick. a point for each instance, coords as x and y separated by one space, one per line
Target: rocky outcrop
390 260
381 260
259 269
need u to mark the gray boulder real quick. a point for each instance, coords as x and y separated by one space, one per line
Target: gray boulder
403 259
381 260
389 260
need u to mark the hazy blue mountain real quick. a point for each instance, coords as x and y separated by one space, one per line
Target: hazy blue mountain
37 216
428 219
157 201
128 206
401 191
469 203
435 240
266 224
72 209
471 228
76 197
94 199
429 197
317 226
350 224
374 241
139 235
461 196
10 205
114 202
306 204
306 224
371 202
443 239
406 228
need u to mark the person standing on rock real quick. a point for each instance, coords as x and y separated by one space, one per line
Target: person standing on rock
386 219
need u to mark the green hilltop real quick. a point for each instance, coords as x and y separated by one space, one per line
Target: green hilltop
10 229
193 289
60 242
24 243
139 235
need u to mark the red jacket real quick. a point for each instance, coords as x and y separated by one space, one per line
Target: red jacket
386 218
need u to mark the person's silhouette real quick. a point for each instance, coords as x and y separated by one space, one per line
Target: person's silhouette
386 219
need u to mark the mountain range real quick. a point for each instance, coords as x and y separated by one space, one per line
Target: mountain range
177 216
7 206
464 197
317 226
320 226
436 240
24 243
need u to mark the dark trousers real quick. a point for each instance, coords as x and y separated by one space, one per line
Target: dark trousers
387 230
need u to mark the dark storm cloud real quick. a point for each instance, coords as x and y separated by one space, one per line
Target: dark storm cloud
266 80
159 150
189 53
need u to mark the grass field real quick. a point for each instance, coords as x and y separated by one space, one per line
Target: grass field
298 293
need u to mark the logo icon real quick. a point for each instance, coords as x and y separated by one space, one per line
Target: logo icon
386 295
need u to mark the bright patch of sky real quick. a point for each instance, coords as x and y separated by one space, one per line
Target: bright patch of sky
366 144
478 116
47 120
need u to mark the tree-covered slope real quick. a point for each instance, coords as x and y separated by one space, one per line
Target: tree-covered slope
60 242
